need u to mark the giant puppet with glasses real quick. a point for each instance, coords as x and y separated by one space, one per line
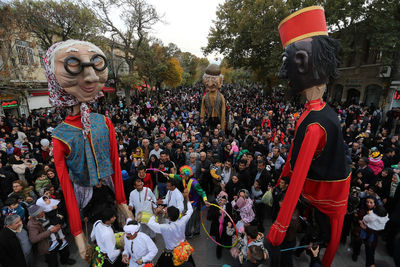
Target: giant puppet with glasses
316 163
84 144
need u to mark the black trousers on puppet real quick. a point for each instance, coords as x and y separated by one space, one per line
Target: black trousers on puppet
165 260
117 263
212 122
52 257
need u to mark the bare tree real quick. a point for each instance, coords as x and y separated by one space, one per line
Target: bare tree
138 16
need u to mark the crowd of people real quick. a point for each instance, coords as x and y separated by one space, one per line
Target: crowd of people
174 165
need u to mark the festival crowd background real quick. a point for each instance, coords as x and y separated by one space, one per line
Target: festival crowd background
244 160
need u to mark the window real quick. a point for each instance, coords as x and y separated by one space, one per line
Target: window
25 53
124 68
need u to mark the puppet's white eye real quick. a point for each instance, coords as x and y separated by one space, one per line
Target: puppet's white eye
284 58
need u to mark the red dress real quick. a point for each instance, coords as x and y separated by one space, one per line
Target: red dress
61 150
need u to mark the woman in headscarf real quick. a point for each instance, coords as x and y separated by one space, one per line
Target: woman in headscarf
220 222
84 144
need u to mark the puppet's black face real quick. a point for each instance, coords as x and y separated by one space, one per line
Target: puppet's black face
297 66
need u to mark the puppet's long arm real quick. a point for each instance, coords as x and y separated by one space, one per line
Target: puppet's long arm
312 138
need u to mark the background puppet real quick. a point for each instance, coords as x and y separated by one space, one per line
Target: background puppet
213 102
84 144
316 164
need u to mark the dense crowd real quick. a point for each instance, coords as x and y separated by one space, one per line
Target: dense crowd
236 168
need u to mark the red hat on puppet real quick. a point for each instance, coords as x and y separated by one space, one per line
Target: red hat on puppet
304 23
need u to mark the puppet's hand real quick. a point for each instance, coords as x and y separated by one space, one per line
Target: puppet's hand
272 250
275 236
125 212
81 244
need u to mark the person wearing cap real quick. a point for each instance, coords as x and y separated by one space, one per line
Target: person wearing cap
15 247
316 164
139 249
39 236
84 144
196 195
213 102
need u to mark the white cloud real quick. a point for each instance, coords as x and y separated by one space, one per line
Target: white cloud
187 23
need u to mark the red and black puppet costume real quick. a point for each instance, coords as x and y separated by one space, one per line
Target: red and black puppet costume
316 164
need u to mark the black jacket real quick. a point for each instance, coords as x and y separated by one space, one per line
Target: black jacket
6 180
11 253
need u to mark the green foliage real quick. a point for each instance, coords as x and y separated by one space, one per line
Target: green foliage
187 79
151 63
173 74
246 31
52 21
130 80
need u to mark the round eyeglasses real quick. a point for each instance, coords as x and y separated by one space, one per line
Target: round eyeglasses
74 65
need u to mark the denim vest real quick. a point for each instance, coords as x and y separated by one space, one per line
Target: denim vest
89 159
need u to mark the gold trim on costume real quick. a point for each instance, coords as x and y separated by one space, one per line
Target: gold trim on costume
72 125
297 127
64 142
280 225
332 181
94 154
298 12
323 200
279 229
304 36
326 140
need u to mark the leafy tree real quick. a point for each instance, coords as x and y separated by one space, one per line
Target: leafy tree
246 31
187 79
130 80
151 63
50 20
173 74
188 62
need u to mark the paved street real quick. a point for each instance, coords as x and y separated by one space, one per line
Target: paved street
205 255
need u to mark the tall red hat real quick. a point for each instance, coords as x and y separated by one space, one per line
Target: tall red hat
304 23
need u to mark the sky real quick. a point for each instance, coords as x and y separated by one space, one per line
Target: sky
187 23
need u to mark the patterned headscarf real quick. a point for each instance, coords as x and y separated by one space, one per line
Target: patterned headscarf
221 195
58 97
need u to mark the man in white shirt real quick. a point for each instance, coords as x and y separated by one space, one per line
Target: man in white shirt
139 248
105 239
173 198
172 232
139 200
